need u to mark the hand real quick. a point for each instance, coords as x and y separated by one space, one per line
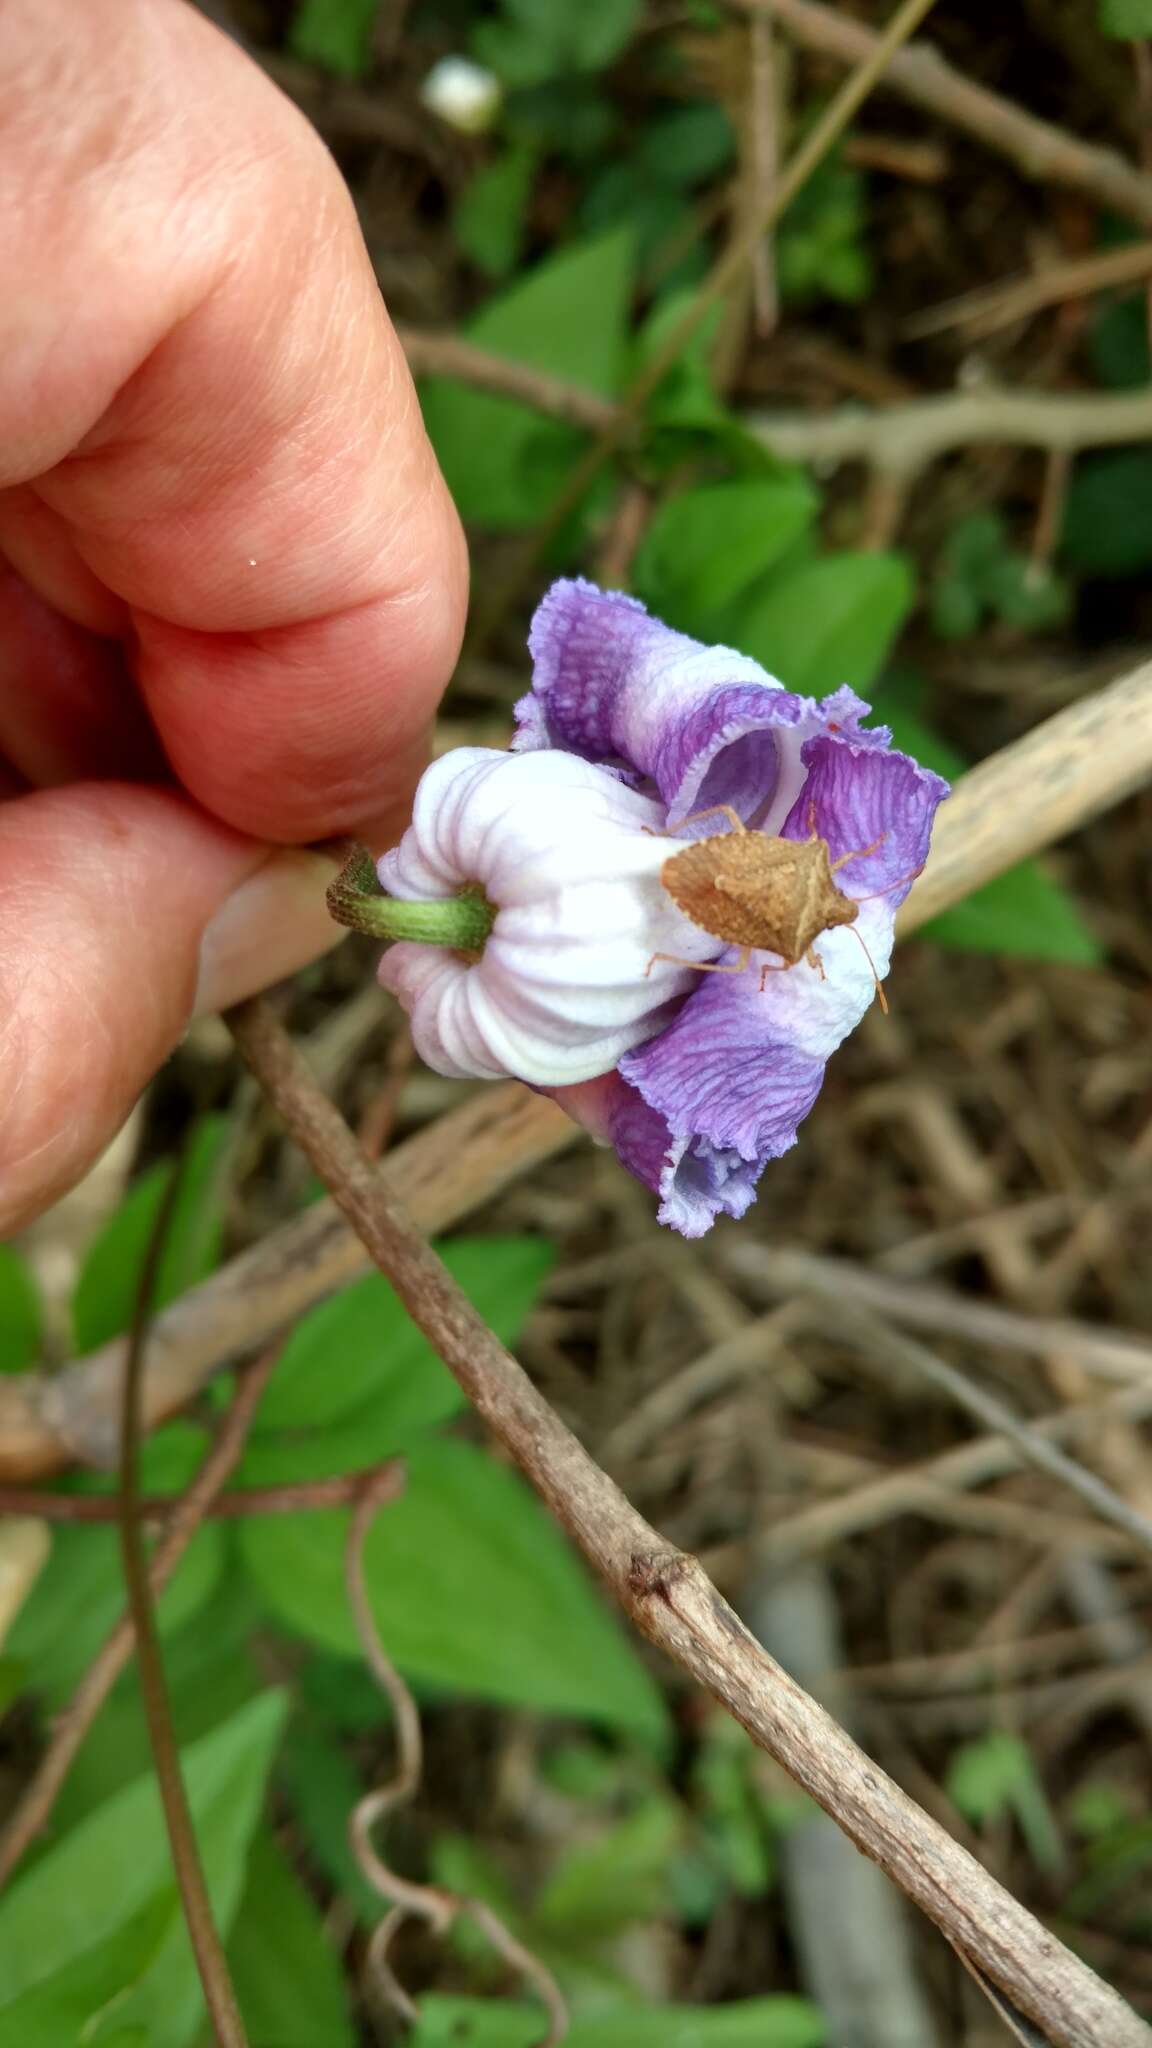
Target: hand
232 583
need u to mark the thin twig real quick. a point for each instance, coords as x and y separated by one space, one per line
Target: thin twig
672 1601
966 1465
207 1947
449 355
1049 512
765 155
1085 758
786 1270
867 1333
291 1497
185 1516
438 1908
993 306
1038 148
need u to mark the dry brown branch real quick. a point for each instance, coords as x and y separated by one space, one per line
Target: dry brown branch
1088 756
786 1270
1064 772
448 355
439 1909
71 1726
998 305
920 74
765 154
866 1332
970 1464
672 1601
463 1160
292 1497
899 441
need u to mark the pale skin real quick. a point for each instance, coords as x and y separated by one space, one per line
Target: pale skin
232 584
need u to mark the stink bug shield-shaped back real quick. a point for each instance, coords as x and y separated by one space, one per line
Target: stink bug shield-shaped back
759 893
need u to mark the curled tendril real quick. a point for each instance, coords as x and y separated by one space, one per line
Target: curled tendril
439 1910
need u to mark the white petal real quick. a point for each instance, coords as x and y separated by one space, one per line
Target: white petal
570 858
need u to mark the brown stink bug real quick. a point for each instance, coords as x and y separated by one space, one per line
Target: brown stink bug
760 893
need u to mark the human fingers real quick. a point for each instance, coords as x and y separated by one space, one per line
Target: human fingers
122 909
208 427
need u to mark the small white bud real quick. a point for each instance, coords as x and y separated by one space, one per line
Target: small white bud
464 94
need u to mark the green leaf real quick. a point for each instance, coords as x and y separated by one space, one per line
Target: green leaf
80 1594
63 2007
1023 913
750 2023
502 460
980 571
116 1865
362 1346
1118 344
110 1276
828 622
321 1788
995 1775
1108 516
689 145
541 39
1129 19
19 1313
491 213
336 34
287 1975
705 547
473 1587
821 252
621 1876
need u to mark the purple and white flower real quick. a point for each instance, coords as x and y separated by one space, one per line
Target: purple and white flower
630 730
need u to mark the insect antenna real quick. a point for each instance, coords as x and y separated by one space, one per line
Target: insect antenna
877 983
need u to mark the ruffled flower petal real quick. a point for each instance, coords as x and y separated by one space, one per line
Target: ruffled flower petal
701 724
695 1181
876 804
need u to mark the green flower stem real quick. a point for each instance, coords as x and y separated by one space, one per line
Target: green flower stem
356 899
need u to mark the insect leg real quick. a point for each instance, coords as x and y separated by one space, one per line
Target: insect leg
814 961
703 966
716 811
858 853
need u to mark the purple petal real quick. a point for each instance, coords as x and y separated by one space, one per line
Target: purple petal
703 724
696 1181
875 804
728 1070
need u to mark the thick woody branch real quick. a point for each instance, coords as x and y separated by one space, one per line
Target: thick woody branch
672 1601
1075 765
901 440
918 73
1059 776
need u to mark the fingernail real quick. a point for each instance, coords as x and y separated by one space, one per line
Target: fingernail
275 922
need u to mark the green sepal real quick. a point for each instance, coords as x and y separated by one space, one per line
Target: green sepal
356 899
